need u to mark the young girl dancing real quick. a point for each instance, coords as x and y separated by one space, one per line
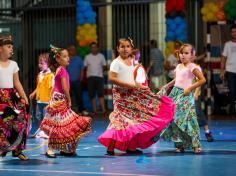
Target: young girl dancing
43 90
14 118
184 129
63 126
139 115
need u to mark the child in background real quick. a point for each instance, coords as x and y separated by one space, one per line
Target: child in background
43 90
184 129
64 127
201 117
140 75
14 115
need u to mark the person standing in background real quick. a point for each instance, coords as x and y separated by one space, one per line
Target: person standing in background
228 67
76 72
95 64
155 68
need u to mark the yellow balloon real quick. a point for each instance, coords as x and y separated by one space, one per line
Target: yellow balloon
210 16
204 10
204 18
170 45
214 8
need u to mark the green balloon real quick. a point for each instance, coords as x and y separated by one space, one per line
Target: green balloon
228 16
233 12
227 8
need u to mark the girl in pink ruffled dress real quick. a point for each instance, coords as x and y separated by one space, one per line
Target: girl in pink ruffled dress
139 115
63 126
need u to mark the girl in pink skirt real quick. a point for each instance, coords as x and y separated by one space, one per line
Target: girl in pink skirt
139 115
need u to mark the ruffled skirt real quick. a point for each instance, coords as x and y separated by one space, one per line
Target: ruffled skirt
184 129
138 117
64 127
14 122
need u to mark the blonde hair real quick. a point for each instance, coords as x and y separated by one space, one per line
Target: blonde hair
193 52
43 57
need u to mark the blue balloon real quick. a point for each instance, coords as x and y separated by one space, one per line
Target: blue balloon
87 14
171 27
178 20
93 15
81 21
169 22
170 34
182 38
91 20
81 8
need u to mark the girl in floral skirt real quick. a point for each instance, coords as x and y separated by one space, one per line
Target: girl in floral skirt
139 115
63 126
14 115
184 129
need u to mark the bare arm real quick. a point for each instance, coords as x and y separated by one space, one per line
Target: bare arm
18 86
66 91
200 81
170 84
222 67
32 95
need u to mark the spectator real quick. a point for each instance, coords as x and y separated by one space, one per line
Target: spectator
171 62
75 71
228 67
155 68
95 64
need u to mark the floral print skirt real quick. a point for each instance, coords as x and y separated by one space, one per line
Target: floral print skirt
184 129
138 117
14 122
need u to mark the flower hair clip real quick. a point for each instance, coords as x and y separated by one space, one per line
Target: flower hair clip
55 51
131 41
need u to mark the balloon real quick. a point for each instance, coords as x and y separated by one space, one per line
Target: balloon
204 18
220 15
210 16
170 45
204 10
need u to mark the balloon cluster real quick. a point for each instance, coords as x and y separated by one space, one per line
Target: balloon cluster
230 10
175 6
86 26
176 29
176 25
85 13
217 11
170 47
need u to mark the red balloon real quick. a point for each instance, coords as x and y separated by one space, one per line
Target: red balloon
180 5
170 5
220 15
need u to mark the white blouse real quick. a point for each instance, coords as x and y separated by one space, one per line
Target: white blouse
6 74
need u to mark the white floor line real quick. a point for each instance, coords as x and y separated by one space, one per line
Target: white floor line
74 172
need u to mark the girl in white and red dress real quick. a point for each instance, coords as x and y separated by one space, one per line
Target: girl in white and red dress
139 115
140 75
63 126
